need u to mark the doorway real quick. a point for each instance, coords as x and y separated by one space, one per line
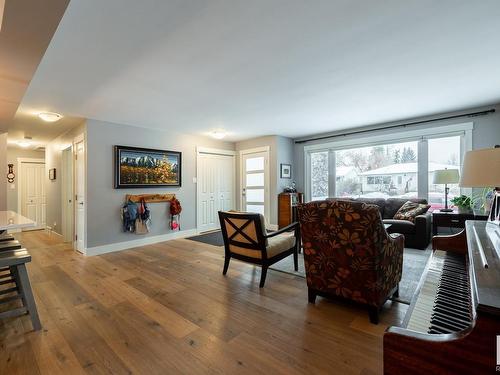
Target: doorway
215 186
31 199
79 189
67 195
254 181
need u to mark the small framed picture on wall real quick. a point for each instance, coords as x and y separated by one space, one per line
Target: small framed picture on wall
286 171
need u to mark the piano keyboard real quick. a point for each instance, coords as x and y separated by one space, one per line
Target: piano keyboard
443 304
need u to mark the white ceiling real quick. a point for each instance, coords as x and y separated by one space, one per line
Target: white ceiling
26 29
287 67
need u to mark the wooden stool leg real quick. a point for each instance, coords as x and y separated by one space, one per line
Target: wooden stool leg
27 295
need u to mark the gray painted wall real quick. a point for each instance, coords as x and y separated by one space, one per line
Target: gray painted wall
280 151
486 134
12 189
104 202
4 169
53 159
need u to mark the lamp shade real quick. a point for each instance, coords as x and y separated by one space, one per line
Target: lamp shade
481 168
446 176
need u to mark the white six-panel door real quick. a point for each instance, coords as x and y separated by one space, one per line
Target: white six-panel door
215 180
32 188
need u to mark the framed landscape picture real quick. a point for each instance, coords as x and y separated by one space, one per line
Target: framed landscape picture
143 167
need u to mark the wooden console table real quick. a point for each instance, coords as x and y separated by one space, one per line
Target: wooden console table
454 219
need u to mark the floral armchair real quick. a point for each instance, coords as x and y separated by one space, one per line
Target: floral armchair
349 254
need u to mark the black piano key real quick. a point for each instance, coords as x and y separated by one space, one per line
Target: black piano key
450 319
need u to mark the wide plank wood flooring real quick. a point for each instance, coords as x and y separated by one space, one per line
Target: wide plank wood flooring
167 309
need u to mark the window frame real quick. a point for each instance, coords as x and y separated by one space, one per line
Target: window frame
419 133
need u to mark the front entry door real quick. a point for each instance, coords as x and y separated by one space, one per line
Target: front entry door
255 184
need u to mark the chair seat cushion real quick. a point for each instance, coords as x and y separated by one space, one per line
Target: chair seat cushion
279 244
400 226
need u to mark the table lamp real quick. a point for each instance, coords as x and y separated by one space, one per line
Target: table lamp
481 168
446 176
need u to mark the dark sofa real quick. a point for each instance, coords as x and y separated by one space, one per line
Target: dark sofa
417 235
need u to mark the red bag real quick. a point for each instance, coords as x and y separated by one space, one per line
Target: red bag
175 207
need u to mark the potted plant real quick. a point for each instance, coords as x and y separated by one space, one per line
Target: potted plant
462 202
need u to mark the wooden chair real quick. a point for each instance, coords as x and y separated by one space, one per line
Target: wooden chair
245 239
17 275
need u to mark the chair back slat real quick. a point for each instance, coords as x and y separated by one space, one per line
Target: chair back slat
243 233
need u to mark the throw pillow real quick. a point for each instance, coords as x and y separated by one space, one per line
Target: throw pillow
410 210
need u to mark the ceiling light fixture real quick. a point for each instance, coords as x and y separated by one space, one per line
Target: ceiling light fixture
218 134
24 143
50 116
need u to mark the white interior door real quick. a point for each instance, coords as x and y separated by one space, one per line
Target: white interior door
225 191
67 195
33 200
215 179
80 195
255 182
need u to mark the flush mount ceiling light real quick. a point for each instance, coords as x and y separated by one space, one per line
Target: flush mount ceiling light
50 116
218 134
24 143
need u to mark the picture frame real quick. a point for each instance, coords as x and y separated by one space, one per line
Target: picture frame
52 174
136 167
286 171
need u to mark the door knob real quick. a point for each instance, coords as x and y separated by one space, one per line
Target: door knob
80 203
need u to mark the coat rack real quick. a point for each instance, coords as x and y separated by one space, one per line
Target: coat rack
149 198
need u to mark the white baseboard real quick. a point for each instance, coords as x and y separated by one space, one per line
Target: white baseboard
118 246
49 229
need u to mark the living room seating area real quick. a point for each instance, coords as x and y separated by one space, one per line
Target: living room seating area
417 232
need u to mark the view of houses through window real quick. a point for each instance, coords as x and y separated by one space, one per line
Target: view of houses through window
378 171
383 171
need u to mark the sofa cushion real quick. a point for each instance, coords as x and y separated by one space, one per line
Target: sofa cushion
400 226
379 202
392 205
410 210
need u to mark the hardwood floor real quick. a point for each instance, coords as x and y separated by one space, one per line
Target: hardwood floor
167 309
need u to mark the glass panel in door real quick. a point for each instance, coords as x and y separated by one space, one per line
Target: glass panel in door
254 183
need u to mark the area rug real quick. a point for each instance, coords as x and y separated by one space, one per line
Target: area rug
211 238
414 261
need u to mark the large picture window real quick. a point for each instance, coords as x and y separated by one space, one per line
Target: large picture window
380 171
319 175
444 153
387 169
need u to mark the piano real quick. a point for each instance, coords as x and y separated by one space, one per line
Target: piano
452 323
